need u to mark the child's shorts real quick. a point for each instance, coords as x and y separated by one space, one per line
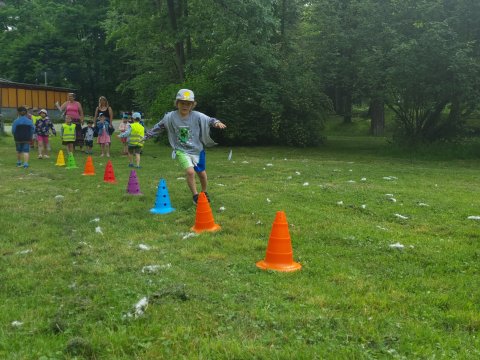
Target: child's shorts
198 162
89 143
123 140
134 150
42 139
68 142
23 147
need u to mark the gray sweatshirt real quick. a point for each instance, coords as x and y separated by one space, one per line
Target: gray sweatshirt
190 134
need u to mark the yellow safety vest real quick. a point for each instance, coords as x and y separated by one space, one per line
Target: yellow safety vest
35 118
68 132
137 134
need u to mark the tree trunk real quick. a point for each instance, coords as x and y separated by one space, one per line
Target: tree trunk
377 115
347 115
179 50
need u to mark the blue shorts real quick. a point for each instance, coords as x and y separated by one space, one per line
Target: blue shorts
23 148
198 162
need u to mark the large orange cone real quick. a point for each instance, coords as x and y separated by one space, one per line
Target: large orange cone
109 175
204 218
279 255
60 159
89 169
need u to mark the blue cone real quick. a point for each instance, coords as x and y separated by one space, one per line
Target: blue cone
162 203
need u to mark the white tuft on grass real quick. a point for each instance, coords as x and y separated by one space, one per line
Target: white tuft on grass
188 235
16 323
340 202
141 307
258 223
423 204
151 269
474 217
98 230
382 228
397 245
269 164
351 181
95 220
144 247
403 217
222 208
392 199
363 179
363 206
389 195
180 178
23 252
269 201
245 162
306 184
59 198
220 184
297 172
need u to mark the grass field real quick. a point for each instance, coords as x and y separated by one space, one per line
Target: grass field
68 291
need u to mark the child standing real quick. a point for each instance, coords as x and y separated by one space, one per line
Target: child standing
123 127
135 133
88 135
43 126
188 134
35 116
103 135
22 130
68 134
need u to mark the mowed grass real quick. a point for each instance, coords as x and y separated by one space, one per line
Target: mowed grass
72 288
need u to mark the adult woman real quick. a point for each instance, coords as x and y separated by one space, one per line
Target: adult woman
75 111
104 124
105 109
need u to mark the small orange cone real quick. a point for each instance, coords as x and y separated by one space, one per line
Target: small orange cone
109 175
204 218
89 169
60 159
279 255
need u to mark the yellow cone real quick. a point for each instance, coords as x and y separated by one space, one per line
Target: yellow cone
60 159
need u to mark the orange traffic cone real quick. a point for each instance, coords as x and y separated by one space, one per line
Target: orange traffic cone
279 255
60 159
204 218
109 175
89 169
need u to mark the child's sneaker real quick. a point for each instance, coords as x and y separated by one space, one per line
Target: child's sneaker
19 164
138 167
130 165
46 156
206 194
195 199
25 165
40 157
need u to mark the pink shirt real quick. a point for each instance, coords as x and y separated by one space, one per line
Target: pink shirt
73 109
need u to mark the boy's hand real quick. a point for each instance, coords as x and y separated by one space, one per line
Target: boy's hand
220 125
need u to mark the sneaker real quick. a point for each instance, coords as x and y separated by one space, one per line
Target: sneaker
25 165
19 164
138 167
101 155
130 165
40 157
195 199
46 156
108 155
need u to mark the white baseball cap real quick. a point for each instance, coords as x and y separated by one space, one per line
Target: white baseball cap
185 95
43 111
136 115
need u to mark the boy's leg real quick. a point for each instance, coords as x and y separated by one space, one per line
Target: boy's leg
202 175
107 149
137 158
190 173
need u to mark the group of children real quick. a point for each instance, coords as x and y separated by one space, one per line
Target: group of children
188 134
